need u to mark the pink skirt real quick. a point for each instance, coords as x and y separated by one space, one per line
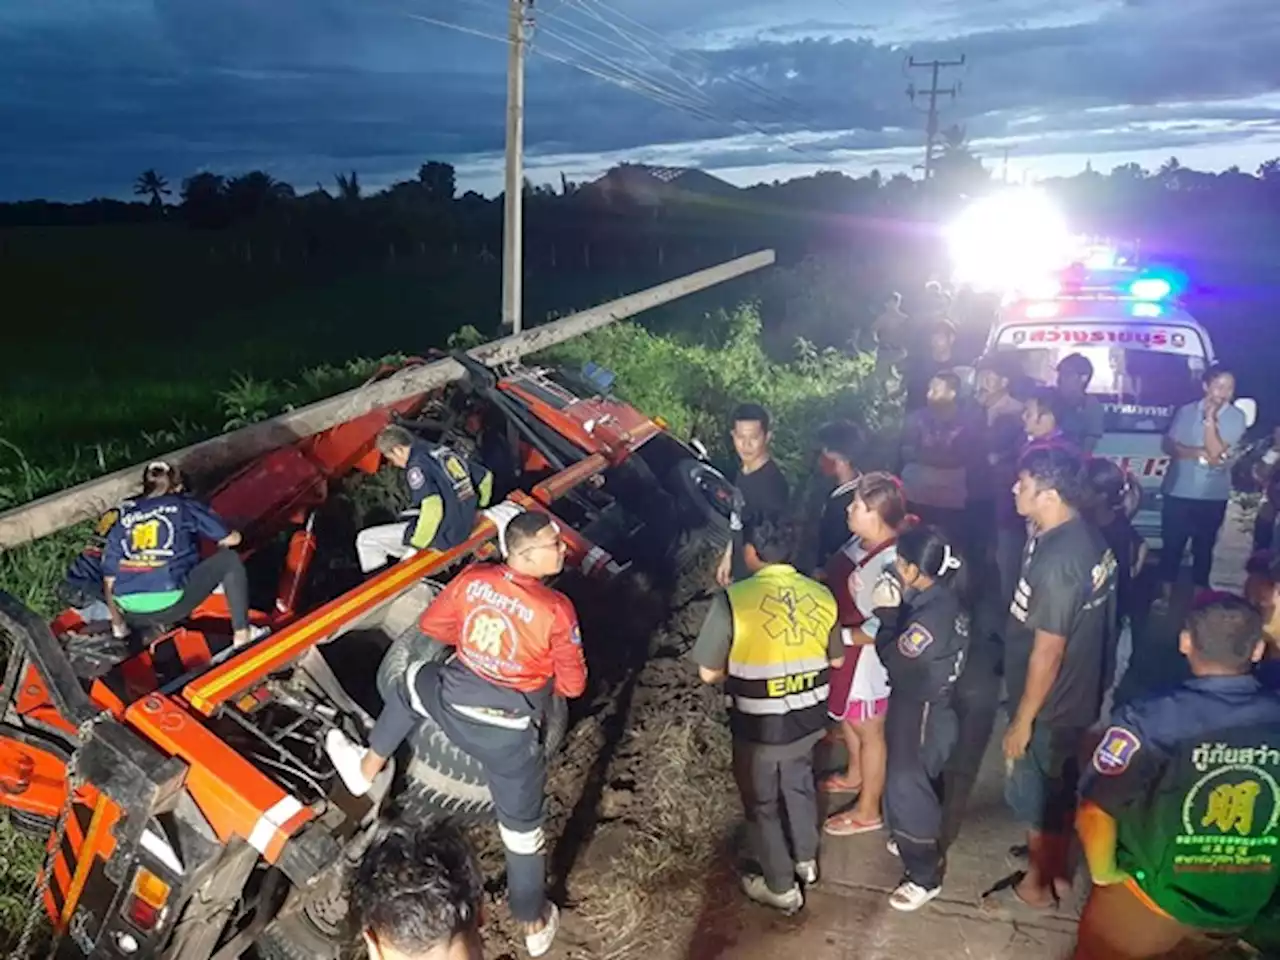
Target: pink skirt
840 705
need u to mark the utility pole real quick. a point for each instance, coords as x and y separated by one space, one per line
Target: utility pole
520 18
934 91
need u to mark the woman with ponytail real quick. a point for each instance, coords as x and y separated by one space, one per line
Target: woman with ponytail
923 653
859 695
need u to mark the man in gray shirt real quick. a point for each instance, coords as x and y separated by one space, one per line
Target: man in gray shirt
1200 443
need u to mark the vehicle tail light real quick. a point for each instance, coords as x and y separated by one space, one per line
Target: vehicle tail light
661 423
147 899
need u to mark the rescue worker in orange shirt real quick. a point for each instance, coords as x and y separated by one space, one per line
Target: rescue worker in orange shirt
517 644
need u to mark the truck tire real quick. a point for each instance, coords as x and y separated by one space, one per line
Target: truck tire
439 778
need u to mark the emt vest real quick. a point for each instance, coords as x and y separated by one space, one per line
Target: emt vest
776 688
435 470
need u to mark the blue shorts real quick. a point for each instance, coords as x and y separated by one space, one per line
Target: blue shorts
1041 788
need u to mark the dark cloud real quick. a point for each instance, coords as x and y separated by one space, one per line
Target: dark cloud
93 92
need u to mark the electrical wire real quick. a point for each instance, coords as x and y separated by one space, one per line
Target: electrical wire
630 79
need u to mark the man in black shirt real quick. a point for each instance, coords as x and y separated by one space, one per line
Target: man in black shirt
760 481
1062 621
934 356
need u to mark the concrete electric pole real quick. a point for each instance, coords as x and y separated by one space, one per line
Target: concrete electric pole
931 125
520 19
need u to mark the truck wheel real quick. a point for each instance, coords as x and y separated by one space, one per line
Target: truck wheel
706 499
440 778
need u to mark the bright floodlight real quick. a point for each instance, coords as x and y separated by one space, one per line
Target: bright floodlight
1008 240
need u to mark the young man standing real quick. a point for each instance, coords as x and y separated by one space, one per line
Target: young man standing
1197 487
760 482
1061 621
773 639
1081 416
840 444
1178 814
417 894
445 491
518 644
938 445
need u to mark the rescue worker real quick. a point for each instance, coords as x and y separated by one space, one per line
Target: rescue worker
772 639
416 895
923 656
445 491
517 644
81 587
1178 815
152 571
1061 623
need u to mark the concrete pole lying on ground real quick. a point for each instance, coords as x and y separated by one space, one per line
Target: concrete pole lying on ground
88 500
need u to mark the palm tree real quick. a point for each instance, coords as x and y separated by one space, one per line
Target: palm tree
348 186
150 183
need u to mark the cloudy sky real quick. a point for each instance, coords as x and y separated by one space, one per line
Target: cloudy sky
94 91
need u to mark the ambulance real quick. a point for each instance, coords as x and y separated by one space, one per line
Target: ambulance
1148 355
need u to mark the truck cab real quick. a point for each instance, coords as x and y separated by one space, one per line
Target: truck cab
1148 355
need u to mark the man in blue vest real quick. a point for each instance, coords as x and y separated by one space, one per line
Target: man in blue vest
445 491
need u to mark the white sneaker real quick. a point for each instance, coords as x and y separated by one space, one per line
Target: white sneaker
910 896
539 943
347 757
807 871
892 847
789 902
255 633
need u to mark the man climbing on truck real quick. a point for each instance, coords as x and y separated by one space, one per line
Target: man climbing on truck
518 644
445 491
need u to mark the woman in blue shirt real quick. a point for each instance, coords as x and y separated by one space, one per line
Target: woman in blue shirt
151 563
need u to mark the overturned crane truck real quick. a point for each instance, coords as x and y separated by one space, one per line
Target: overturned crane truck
189 807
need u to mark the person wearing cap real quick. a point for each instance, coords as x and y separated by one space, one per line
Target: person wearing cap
445 491
517 644
152 571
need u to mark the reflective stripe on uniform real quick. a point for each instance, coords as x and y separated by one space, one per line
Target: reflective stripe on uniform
750 671
523 842
777 706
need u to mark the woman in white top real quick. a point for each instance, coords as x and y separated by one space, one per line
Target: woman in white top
859 695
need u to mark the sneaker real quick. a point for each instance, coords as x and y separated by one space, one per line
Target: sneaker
347 757
892 847
789 902
910 896
255 633
807 871
540 942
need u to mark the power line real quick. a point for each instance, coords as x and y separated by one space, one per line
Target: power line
934 91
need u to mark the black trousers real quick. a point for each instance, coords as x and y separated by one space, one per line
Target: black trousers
223 567
772 784
1197 521
514 768
919 737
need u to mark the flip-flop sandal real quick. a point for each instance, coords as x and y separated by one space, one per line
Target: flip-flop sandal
1004 897
1016 857
843 825
838 783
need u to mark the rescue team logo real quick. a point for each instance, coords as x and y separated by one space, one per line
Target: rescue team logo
1229 817
914 641
489 641
149 532
575 635
416 478
454 467
1142 338
1115 751
793 618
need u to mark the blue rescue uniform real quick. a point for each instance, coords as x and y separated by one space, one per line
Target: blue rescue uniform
923 657
445 492
154 546
1192 779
